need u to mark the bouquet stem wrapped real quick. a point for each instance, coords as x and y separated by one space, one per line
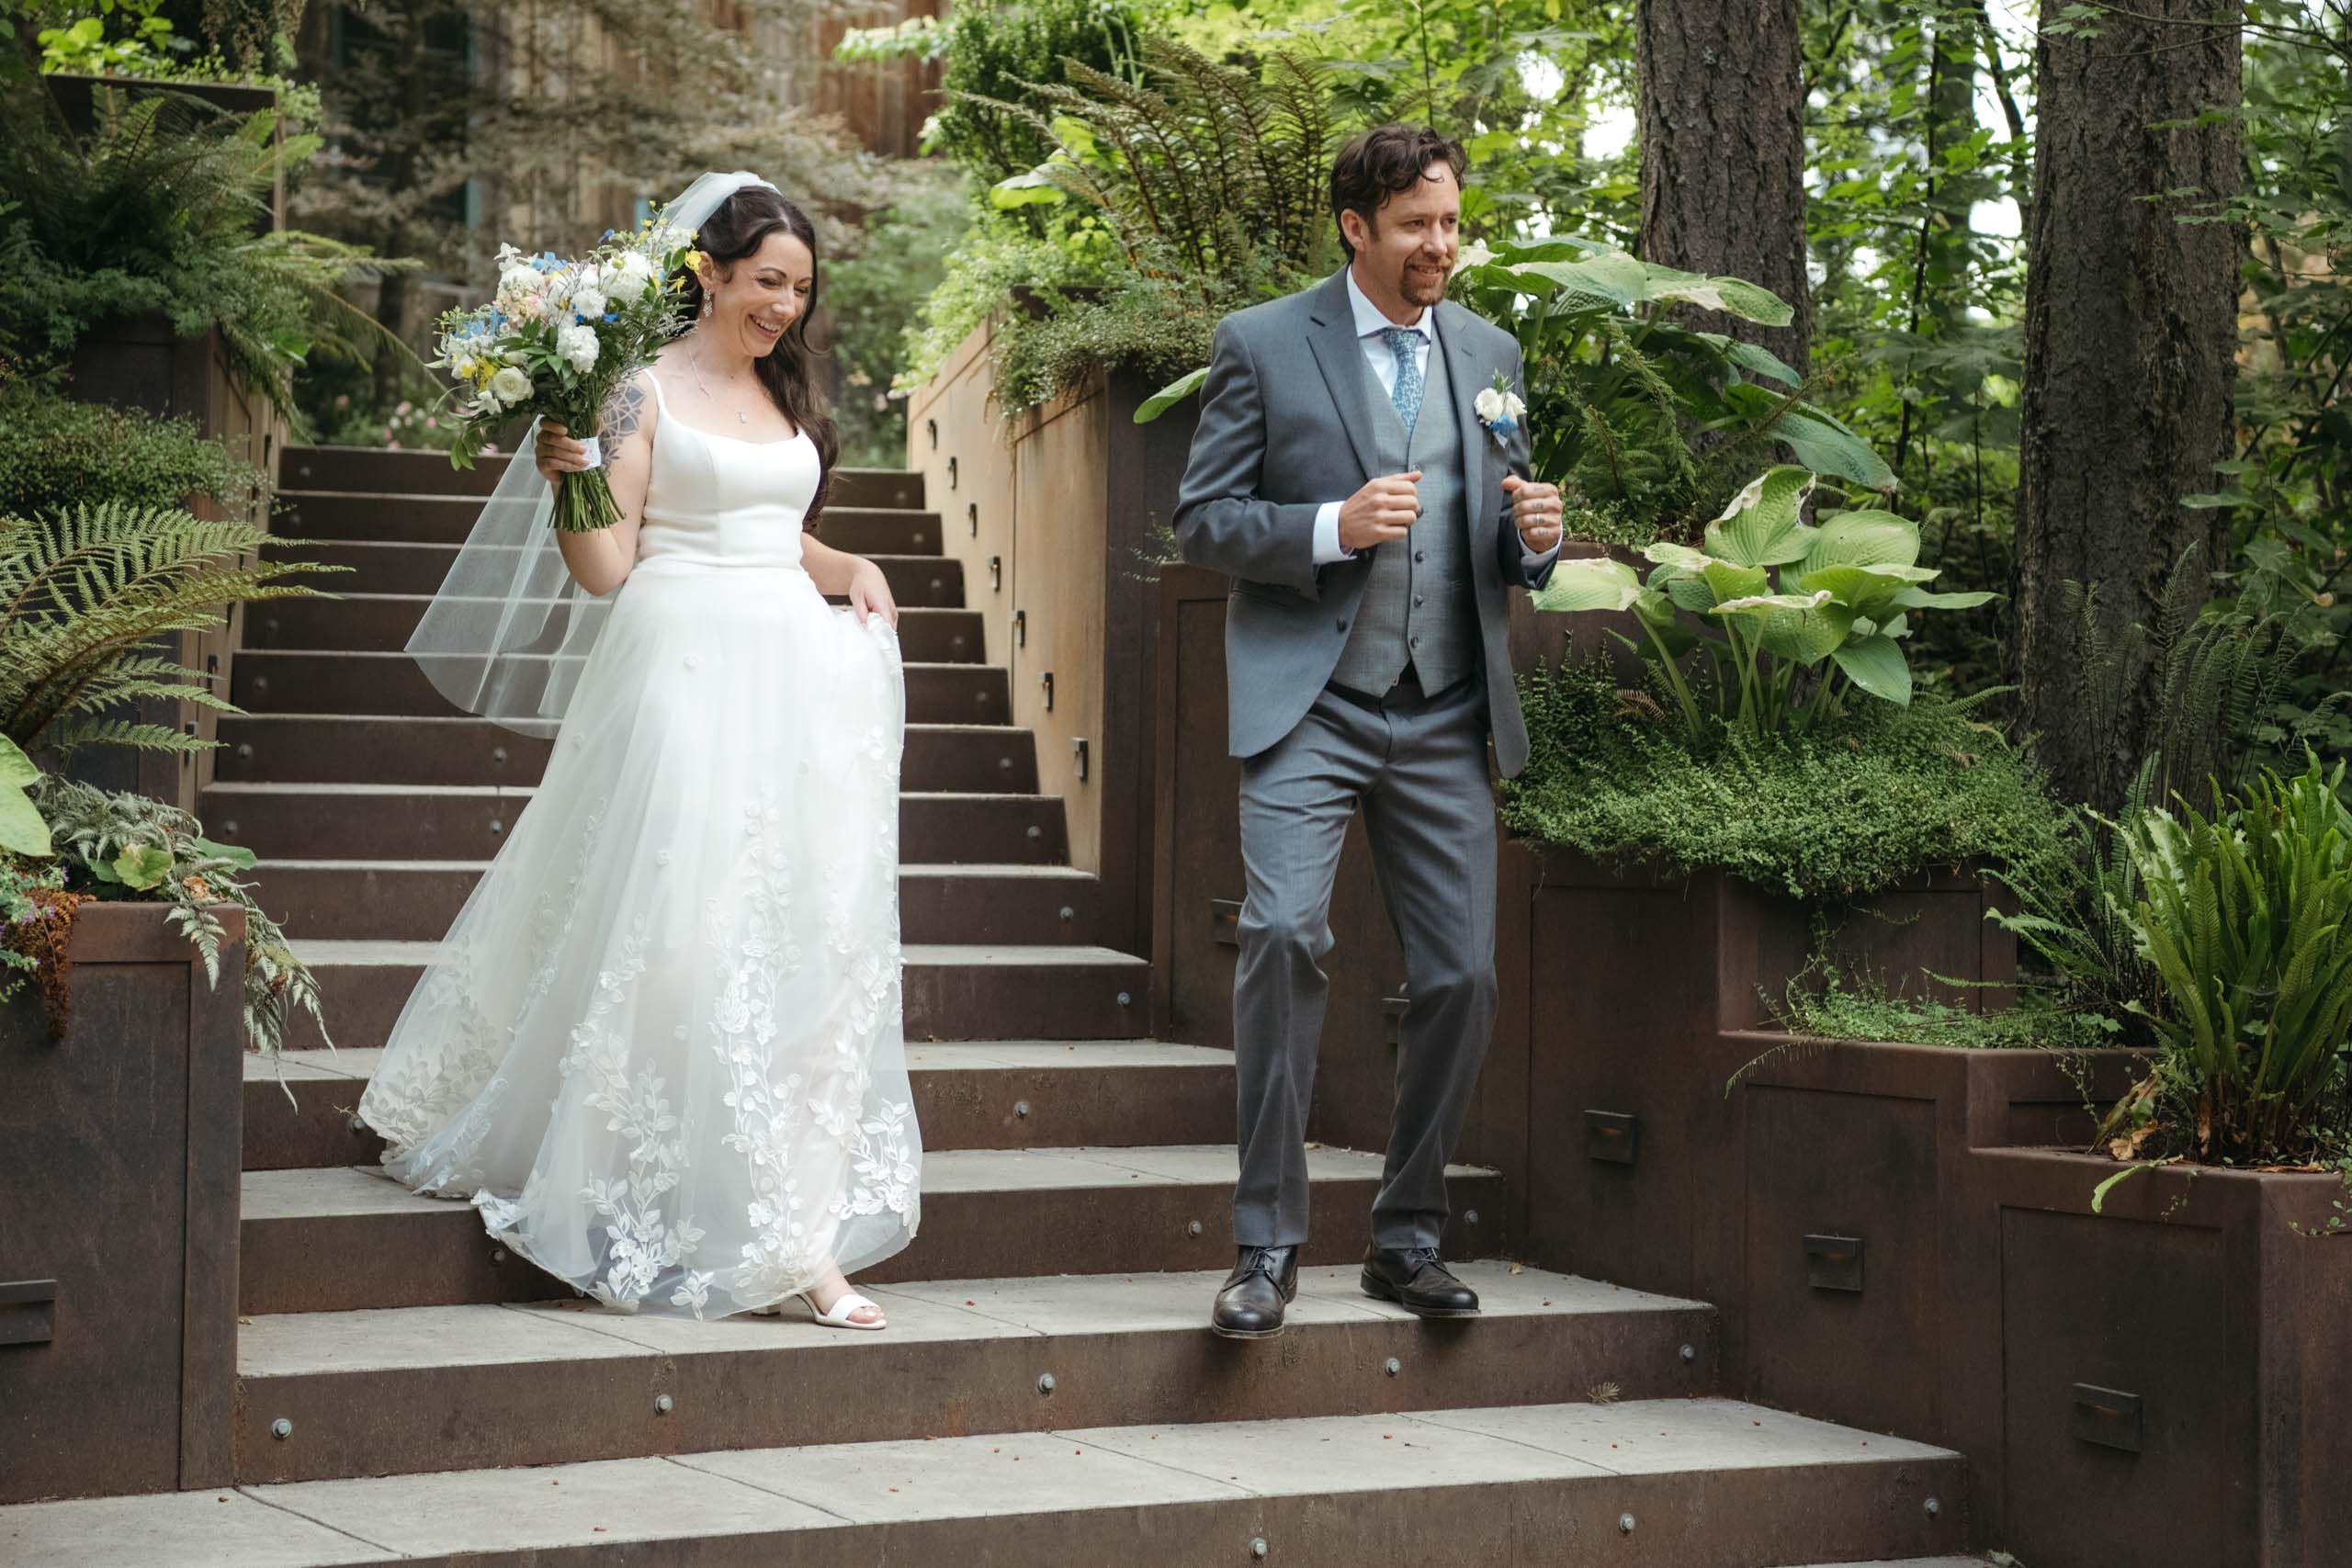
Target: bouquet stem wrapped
557 342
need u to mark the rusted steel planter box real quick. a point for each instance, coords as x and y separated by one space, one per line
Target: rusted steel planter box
2175 1372
1867 1292
1636 989
119 1173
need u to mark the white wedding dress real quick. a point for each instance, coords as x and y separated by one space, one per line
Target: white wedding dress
661 1049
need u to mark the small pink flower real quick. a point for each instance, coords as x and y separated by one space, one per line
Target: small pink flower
343 399
391 445
431 422
403 406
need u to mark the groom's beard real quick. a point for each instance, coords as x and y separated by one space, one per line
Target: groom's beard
1422 288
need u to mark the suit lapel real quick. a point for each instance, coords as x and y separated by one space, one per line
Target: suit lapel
1468 375
1340 358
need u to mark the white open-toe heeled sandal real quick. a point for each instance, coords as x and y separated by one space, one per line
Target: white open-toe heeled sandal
840 1317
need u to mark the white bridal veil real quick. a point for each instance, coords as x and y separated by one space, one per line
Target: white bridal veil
508 632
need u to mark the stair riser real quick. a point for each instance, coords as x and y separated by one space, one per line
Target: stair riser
994 1001
927 635
420 569
452 1418
1067 1106
439 1255
392 686
1021 829
418 905
323 748
446 520
429 473
1722 1519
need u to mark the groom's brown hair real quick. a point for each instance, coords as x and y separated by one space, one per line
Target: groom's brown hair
1379 162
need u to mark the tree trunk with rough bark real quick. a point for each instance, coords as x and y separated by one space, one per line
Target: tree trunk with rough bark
1721 104
2130 339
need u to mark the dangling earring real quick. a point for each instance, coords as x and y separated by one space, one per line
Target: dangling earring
705 307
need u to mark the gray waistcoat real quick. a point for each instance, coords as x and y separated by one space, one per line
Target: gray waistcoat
1418 608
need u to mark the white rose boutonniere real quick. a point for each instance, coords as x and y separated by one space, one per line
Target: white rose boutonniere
1500 408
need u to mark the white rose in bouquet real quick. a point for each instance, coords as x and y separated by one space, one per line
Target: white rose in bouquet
631 273
588 303
509 385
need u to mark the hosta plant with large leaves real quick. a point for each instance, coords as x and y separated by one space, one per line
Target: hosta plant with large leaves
1793 616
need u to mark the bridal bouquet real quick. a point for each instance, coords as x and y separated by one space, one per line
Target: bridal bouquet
558 341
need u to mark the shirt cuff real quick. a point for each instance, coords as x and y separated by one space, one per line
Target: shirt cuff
1531 560
1326 535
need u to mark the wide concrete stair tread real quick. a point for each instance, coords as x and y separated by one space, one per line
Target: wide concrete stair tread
452 748
452 1387
340 1238
382 622
949 991
389 683
1023 904
416 954
981 1094
1521 1485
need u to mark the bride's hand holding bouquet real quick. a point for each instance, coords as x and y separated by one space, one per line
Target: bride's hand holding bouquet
558 341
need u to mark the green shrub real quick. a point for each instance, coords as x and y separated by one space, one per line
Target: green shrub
1002 51
1843 809
56 453
2247 916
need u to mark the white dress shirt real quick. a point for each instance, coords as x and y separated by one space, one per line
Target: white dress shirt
1369 326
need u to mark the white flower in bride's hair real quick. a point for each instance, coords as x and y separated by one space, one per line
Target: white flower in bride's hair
579 347
510 385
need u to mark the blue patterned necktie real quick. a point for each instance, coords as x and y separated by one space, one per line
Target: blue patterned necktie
1405 344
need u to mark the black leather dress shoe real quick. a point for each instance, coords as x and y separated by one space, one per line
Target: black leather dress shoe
1250 1304
1416 1281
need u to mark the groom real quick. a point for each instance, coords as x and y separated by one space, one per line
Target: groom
1371 523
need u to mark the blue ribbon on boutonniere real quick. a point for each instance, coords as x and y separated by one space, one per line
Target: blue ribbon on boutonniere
1500 408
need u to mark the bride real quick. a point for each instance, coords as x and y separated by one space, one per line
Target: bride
660 1047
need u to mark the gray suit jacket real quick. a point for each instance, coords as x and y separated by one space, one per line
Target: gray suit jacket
1285 426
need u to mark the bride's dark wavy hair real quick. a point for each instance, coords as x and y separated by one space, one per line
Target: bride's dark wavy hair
738 227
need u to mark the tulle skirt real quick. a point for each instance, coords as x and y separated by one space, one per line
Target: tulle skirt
661 1048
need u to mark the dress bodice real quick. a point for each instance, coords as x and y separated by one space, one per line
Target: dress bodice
714 501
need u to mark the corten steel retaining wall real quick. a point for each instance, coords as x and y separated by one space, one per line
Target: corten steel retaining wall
118 1225
1056 517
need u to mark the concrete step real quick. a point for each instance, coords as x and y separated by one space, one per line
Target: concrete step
429 473
405 900
979 1094
368 821
342 1238
308 748
1707 1482
408 567
382 622
446 520
456 1388
390 683
952 991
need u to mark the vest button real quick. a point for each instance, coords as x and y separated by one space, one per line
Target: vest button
1343 625
1419 600
1420 554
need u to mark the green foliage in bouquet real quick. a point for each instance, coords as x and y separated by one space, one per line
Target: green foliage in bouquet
1784 654
2246 917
